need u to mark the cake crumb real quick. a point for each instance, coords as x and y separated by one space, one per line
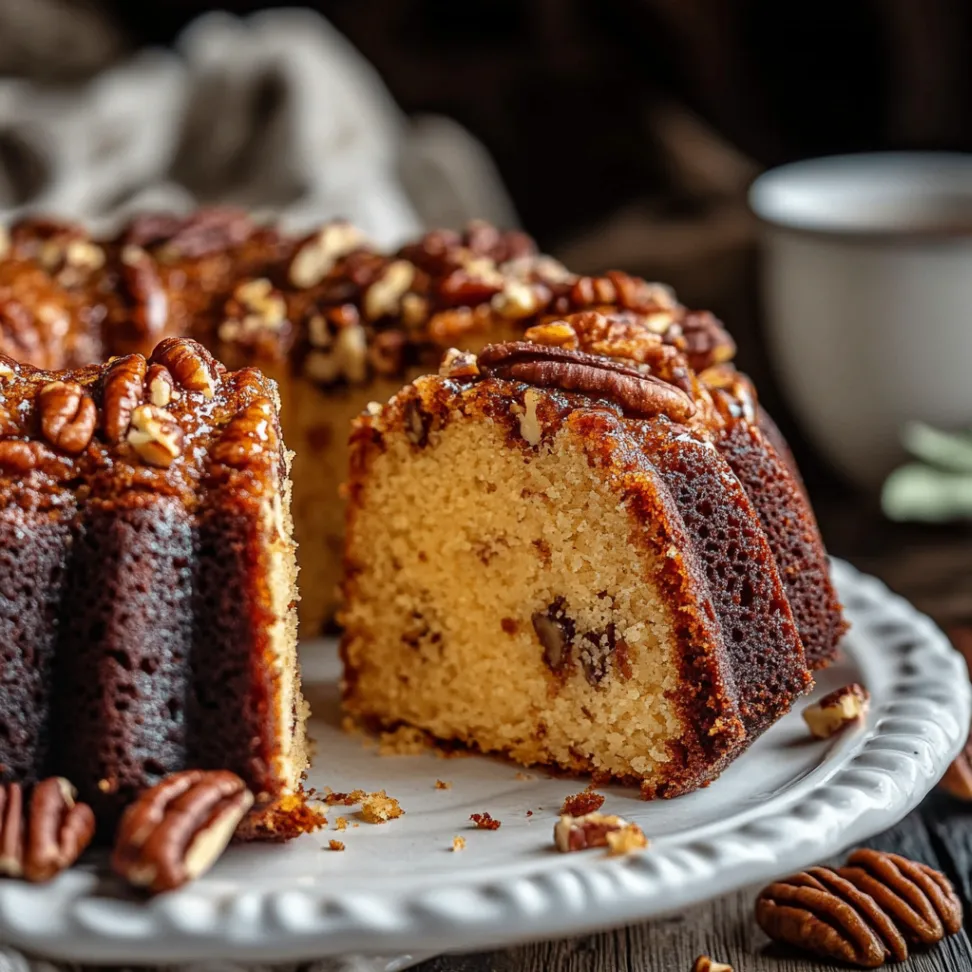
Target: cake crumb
403 741
442 785
583 803
335 845
529 813
350 725
458 843
379 808
343 799
484 821
524 776
341 823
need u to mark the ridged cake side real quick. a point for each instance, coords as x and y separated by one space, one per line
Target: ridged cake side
151 577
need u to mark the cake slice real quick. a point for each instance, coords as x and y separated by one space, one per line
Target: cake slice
549 556
148 582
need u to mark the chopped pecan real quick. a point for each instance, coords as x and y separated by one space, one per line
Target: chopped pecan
518 300
246 435
68 415
705 340
191 366
620 836
155 435
124 390
485 821
458 364
705 964
837 710
599 377
48 835
317 255
384 296
177 830
161 387
556 633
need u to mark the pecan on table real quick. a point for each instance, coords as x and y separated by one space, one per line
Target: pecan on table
44 834
865 913
547 366
177 830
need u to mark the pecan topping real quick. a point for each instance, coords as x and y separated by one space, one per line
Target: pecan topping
140 279
620 836
177 830
123 393
200 234
317 255
68 416
387 353
18 456
459 364
161 387
864 913
384 296
599 377
246 434
191 366
155 435
47 836
836 711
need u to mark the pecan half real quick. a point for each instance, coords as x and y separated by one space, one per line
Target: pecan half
142 287
47 835
124 390
178 829
705 964
68 415
191 366
246 435
204 232
638 394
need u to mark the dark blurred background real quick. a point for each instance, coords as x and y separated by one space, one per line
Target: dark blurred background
626 131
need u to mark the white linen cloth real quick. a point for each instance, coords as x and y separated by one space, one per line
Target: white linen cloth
277 113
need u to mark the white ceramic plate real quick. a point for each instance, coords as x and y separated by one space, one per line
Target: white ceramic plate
785 804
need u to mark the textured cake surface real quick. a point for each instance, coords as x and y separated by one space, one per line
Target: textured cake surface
574 549
148 581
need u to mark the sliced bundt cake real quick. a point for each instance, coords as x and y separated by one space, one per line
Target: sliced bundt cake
571 549
148 582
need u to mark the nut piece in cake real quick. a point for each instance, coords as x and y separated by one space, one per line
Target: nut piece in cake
45 833
177 830
836 711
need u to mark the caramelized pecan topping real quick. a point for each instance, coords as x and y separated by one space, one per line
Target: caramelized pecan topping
124 390
191 366
155 435
68 416
636 393
178 829
246 435
204 232
47 835
864 913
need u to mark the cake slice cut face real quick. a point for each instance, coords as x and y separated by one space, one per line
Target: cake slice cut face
148 582
548 557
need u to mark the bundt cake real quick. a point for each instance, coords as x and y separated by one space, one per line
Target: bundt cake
582 549
338 324
148 582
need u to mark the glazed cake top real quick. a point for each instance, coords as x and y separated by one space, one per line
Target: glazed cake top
329 302
175 424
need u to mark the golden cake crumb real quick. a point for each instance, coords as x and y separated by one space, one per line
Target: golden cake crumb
379 808
350 725
484 821
403 741
341 823
458 843
524 776
335 845
442 785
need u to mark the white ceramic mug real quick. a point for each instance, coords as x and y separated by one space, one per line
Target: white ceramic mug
867 282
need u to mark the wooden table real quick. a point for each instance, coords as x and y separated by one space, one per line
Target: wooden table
933 568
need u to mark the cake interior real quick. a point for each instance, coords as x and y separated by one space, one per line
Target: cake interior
443 630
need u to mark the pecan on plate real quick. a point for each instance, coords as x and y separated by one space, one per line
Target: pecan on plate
637 393
618 835
177 830
705 964
837 710
68 415
45 834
